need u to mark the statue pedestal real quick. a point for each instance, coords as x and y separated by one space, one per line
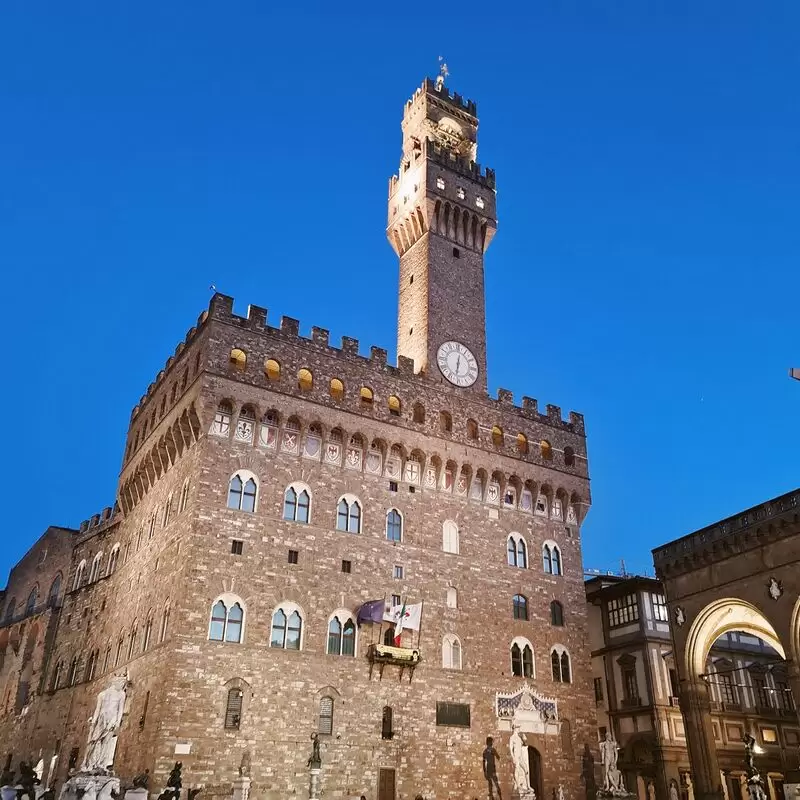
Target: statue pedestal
241 788
138 793
89 787
313 789
527 794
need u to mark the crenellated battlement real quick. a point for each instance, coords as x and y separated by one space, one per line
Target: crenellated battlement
106 516
445 95
438 154
221 310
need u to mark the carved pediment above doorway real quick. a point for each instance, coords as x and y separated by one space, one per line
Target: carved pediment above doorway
533 712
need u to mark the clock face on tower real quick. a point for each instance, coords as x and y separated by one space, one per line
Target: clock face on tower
457 363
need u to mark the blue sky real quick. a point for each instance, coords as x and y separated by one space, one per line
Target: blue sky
644 271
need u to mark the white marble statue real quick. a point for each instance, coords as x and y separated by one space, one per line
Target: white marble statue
104 726
673 791
519 755
560 792
609 751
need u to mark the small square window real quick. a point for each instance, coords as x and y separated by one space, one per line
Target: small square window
347 567
398 571
412 489
392 486
440 183
293 556
237 546
479 202
456 253
460 192
396 600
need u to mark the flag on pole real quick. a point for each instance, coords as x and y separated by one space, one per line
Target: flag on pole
404 616
371 611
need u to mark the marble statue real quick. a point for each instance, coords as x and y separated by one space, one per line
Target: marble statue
104 726
560 792
519 755
609 751
490 758
673 791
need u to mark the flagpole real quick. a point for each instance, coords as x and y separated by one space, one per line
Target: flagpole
380 630
419 630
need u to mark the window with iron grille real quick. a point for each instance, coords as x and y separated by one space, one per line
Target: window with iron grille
347 566
237 547
233 709
293 556
727 691
453 714
598 690
387 731
623 610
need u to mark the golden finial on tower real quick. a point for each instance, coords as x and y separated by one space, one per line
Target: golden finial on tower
443 73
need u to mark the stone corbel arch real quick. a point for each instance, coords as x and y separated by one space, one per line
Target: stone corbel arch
722 616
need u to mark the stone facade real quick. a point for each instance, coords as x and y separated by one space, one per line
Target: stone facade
469 475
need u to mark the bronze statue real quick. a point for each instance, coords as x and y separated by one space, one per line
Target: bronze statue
142 780
490 758
315 759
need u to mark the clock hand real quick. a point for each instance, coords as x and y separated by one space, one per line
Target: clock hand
458 365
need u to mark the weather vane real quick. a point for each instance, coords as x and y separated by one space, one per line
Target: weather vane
443 73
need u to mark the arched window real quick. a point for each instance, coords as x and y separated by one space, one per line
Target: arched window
394 526
522 658
222 419
272 369
91 665
520 606
551 559
341 635
418 413
107 659
556 614
184 496
305 380
242 491
517 551
297 503
287 628
337 389
148 632
445 422
79 573
11 607
164 624
233 709
497 436
55 591
227 620
238 359
451 651
522 443
348 515
113 557
569 457
388 636
387 719
72 676
450 537
394 405
325 726
120 647
559 661
31 604
57 673
366 396
546 450
472 430
132 640
452 597
167 512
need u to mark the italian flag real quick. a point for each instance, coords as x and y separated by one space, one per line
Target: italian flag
404 616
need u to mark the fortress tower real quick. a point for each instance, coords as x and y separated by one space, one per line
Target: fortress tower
442 217
273 484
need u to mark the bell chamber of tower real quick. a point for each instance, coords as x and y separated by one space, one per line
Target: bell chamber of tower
442 217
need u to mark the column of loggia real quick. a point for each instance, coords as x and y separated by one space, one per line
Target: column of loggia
695 704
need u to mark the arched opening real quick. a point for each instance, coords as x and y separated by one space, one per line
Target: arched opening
733 663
